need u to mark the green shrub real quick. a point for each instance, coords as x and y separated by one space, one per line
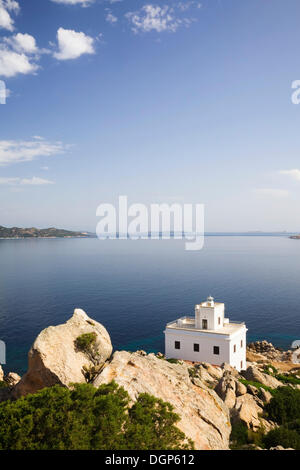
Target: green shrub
3 384
270 366
85 341
288 379
89 418
284 407
173 361
282 436
239 435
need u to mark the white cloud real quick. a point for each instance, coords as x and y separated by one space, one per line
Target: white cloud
83 3
184 6
73 44
159 19
294 174
13 63
272 192
18 55
12 151
34 181
6 8
110 18
153 18
22 43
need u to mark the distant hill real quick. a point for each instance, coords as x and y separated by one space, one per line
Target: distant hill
32 232
295 237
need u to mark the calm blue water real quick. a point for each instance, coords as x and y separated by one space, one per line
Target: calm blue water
135 287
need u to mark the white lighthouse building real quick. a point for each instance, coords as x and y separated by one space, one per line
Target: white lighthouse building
207 337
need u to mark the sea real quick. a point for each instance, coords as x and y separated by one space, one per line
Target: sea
134 287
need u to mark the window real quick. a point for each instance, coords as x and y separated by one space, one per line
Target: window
234 348
219 320
241 343
196 347
204 324
216 350
241 364
177 344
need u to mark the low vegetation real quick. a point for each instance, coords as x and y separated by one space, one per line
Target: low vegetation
243 438
284 410
257 385
89 418
291 378
284 406
285 436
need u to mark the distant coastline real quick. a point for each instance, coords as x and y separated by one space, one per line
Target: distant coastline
14 233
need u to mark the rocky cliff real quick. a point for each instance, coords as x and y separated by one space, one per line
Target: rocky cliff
208 399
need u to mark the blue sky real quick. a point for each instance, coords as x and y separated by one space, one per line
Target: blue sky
174 101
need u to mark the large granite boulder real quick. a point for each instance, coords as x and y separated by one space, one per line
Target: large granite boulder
248 411
226 389
204 417
54 357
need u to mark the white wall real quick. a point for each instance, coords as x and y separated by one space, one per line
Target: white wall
206 342
238 357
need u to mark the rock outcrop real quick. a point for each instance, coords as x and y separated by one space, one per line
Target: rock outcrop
266 351
1 374
54 358
246 402
254 374
247 410
204 416
12 379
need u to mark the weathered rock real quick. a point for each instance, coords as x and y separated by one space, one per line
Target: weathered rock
226 389
204 417
265 395
228 368
1 374
267 352
255 375
247 410
267 425
241 389
280 448
215 372
252 390
205 375
12 379
54 359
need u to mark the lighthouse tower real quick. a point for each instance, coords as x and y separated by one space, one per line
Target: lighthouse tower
207 337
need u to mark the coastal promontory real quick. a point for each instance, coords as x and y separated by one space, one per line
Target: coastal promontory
33 232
